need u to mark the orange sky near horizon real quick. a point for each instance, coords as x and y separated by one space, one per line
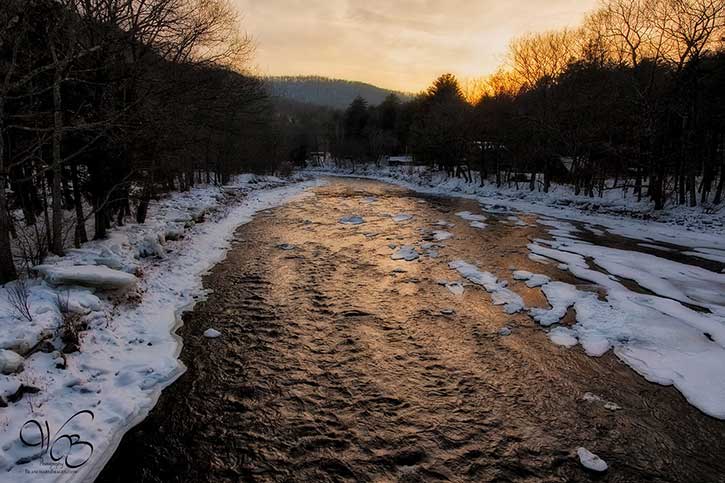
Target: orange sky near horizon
397 44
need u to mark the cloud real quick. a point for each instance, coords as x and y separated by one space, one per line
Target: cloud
402 44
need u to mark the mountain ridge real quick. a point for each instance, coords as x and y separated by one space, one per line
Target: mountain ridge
328 92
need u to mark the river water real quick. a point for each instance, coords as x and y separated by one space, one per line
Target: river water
338 363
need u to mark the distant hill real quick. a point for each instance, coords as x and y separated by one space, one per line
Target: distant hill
322 91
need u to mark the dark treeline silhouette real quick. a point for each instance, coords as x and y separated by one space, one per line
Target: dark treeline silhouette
634 100
104 105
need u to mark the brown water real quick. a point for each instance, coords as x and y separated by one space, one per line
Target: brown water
333 367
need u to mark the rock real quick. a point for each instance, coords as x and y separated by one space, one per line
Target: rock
286 246
10 362
504 331
93 276
448 311
22 390
212 333
591 461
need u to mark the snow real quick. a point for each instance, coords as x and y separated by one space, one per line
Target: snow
500 295
129 351
212 333
407 253
591 461
532 280
100 277
10 362
561 296
478 224
563 336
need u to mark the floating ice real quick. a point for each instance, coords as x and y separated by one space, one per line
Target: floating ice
504 331
563 336
212 333
468 216
401 217
407 253
455 288
531 279
591 461
440 235
500 295
352 220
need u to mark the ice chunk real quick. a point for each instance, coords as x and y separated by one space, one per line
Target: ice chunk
478 224
100 277
468 216
563 336
407 253
504 331
212 333
561 296
440 235
401 217
352 220
591 461
500 295
455 288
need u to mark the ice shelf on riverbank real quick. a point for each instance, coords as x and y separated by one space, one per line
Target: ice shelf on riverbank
128 352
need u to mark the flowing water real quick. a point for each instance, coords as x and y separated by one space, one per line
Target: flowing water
340 364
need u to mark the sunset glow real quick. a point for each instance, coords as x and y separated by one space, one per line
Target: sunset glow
399 45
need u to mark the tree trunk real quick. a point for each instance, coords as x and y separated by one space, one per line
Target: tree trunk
81 235
56 187
720 184
7 264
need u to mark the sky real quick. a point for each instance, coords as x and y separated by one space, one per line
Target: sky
396 44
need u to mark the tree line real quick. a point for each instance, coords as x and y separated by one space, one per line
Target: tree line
633 99
105 104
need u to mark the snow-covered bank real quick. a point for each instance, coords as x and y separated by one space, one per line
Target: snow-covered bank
128 351
622 215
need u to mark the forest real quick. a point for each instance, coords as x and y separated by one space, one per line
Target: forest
105 105
633 99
